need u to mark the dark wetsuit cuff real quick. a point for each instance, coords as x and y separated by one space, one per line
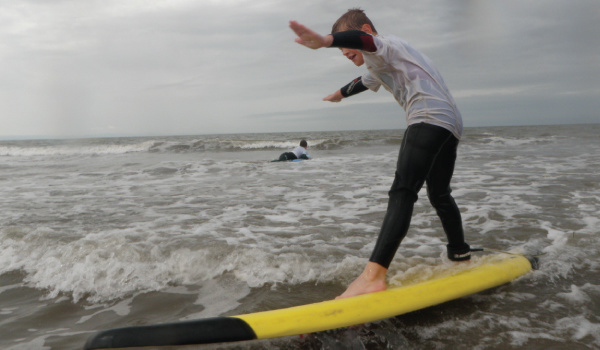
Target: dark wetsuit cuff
354 87
354 39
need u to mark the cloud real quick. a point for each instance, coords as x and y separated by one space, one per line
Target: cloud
97 68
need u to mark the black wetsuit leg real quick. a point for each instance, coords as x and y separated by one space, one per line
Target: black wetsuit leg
426 149
287 156
439 193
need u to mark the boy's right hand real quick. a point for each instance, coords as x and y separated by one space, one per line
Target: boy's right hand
335 97
310 38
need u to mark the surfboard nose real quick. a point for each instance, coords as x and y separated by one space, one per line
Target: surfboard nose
203 331
535 262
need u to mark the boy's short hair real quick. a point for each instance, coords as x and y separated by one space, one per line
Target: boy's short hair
352 20
303 143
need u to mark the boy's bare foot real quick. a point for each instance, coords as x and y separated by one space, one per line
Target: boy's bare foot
371 280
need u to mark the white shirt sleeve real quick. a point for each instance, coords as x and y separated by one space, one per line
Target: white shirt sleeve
369 81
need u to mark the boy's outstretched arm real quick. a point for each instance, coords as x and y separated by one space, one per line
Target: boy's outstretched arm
310 38
351 39
354 87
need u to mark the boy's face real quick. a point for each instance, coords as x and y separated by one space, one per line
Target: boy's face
354 55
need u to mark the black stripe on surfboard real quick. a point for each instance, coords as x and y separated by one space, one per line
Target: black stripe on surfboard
203 331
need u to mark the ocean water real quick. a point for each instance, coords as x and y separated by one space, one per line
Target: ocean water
104 233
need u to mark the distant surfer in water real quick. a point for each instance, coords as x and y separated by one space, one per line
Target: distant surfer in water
428 150
300 152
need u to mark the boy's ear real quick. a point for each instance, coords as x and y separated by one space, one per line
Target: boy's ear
367 29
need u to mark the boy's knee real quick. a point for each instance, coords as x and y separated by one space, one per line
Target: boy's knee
403 194
440 200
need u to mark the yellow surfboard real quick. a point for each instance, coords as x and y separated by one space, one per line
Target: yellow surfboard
493 271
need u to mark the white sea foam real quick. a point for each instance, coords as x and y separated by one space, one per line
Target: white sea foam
103 228
122 308
113 263
576 296
73 149
219 297
579 328
36 343
520 338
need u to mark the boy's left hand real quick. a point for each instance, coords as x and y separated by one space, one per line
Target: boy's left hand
310 38
335 97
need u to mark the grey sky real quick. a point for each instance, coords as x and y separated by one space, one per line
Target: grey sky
123 67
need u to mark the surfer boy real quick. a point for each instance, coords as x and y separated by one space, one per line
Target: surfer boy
428 150
299 152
